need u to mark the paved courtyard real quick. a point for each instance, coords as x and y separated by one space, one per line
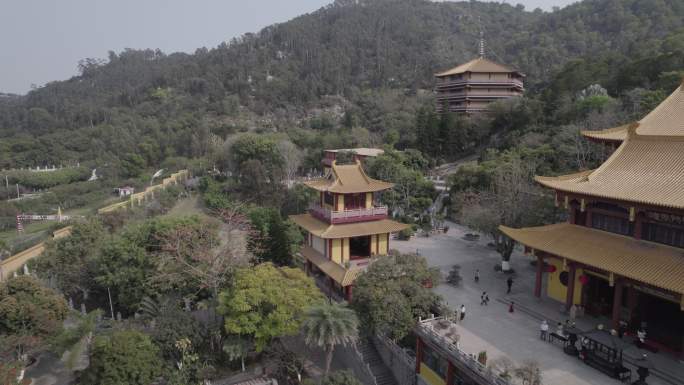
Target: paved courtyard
515 335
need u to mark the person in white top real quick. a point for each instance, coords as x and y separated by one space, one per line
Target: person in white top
462 312
544 328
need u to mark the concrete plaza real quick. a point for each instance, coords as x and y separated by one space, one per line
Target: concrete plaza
514 335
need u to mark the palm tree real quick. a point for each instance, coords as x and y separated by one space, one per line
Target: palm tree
328 325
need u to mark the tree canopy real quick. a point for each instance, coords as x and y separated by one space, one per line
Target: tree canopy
125 357
391 295
266 302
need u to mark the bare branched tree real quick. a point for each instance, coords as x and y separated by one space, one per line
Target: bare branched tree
512 200
197 254
293 157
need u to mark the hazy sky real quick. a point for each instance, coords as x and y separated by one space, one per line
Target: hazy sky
43 40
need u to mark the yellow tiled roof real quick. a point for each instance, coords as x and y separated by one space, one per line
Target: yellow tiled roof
665 120
338 273
324 230
615 134
657 265
644 169
478 65
348 179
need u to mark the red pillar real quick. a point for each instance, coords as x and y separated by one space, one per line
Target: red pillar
450 374
631 300
331 286
589 218
617 302
572 217
348 293
538 279
419 353
571 286
638 225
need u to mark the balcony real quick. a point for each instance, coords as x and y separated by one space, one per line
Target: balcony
348 216
483 82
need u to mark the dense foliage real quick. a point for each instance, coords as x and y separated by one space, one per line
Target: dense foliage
391 295
125 357
345 75
266 302
30 308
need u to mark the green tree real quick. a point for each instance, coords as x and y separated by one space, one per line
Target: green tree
70 261
391 295
237 347
125 357
329 325
132 165
267 302
29 313
274 239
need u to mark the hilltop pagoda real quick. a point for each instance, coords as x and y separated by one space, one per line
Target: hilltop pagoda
471 87
621 252
346 228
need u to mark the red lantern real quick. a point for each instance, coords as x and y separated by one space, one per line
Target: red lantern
583 279
550 268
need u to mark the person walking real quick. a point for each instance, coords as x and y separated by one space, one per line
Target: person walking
462 311
511 307
483 301
544 328
509 282
477 275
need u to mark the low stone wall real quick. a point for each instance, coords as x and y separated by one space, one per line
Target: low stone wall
402 365
352 359
16 262
138 198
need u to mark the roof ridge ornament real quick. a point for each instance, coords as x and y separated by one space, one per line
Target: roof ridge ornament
632 129
482 45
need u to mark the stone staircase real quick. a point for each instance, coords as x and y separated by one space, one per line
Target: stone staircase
371 357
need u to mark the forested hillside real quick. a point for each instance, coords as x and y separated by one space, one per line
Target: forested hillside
352 73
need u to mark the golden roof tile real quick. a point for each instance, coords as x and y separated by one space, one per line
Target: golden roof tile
651 263
324 230
348 179
478 65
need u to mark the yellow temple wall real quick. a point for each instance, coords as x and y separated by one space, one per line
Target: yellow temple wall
430 376
556 290
345 250
340 202
374 242
382 246
369 200
336 251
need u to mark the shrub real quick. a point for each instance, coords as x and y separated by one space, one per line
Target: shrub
125 357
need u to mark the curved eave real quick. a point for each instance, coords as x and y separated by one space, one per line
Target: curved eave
655 264
325 230
615 134
320 185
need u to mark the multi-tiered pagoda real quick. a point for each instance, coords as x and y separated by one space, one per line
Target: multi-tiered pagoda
621 253
472 86
346 228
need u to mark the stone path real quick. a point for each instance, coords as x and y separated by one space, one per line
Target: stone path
513 334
